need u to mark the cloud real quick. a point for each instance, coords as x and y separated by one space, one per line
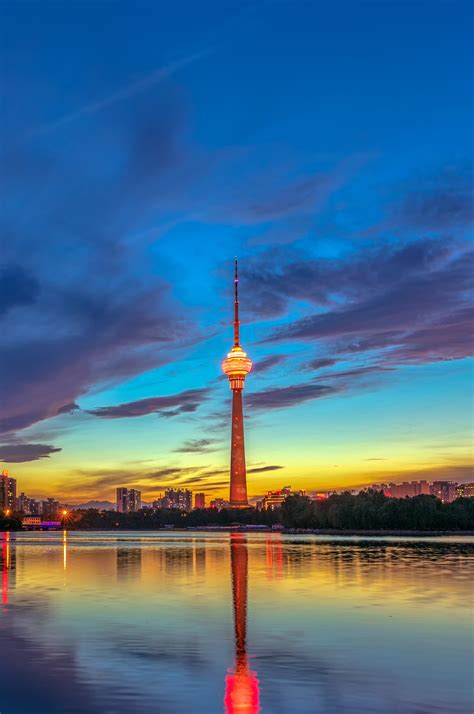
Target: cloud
262 469
415 301
462 473
85 484
344 374
303 195
197 446
441 202
126 92
111 312
359 276
17 288
282 397
334 383
183 402
68 408
320 363
100 479
19 452
268 363
108 313
42 374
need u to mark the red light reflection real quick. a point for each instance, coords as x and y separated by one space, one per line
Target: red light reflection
5 566
242 691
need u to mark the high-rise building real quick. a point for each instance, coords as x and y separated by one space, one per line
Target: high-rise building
199 500
50 510
129 500
23 503
444 490
122 500
465 490
134 500
274 499
7 491
408 489
28 505
181 499
236 366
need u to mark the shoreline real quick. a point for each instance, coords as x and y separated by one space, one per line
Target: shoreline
263 530
352 532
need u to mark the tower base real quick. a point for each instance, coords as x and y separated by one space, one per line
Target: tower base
239 504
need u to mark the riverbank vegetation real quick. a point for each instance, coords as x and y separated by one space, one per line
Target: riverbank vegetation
369 510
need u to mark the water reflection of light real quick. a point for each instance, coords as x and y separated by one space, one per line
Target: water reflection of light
242 691
5 566
64 550
274 555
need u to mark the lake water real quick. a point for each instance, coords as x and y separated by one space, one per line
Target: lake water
204 623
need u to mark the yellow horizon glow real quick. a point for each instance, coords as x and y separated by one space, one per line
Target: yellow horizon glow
42 479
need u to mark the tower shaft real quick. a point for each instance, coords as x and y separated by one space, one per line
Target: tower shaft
238 473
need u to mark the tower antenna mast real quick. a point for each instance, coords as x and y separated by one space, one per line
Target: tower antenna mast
236 306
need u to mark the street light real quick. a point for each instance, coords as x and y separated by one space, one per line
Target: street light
64 514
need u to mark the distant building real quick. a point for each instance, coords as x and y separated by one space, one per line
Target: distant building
319 495
23 503
407 489
7 491
29 506
122 500
134 500
444 490
180 499
158 503
465 490
129 500
219 503
199 500
29 522
35 507
274 499
50 510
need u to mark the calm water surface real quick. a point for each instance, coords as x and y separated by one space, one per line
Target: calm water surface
106 623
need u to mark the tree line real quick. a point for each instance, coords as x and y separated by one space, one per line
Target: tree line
369 510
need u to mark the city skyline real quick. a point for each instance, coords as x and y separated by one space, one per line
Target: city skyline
345 194
128 499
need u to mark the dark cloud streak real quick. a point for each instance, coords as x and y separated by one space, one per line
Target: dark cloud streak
19 452
183 402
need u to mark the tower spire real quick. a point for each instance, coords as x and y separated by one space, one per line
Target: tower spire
236 306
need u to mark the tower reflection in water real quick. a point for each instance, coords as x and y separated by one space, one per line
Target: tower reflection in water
241 692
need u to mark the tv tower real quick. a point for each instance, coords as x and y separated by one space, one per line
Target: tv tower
236 366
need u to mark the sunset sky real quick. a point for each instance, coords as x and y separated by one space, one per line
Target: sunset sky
329 146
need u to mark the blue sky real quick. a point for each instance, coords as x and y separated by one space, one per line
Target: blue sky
330 147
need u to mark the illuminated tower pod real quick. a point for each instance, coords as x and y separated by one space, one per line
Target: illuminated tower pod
236 366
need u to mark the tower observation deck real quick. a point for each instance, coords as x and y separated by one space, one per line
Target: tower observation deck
236 366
